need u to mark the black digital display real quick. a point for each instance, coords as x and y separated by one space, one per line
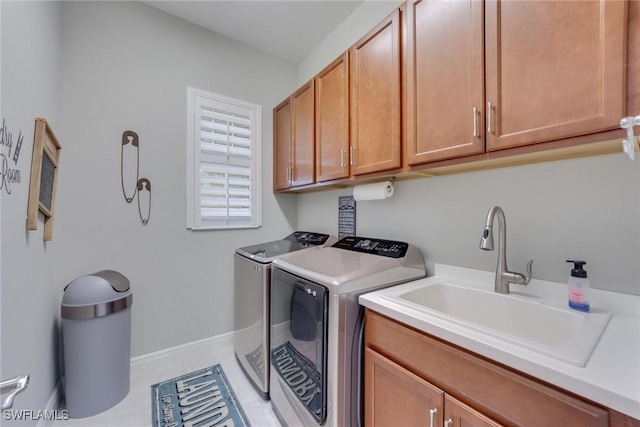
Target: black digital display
388 248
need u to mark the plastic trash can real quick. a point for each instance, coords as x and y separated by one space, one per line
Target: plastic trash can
96 332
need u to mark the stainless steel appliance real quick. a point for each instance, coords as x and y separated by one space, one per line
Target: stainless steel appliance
316 326
251 277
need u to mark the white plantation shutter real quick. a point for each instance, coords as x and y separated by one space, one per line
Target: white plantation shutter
225 162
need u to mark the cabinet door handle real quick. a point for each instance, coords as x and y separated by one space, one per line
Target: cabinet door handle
353 155
448 423
476 132
343 153
490 107
432 416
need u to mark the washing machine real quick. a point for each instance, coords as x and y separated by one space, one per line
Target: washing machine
317 326
252 278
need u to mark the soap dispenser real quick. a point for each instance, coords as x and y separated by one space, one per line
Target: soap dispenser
578 287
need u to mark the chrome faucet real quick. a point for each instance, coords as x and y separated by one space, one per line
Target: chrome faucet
503 275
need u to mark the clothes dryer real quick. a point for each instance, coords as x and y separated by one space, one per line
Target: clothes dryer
317 326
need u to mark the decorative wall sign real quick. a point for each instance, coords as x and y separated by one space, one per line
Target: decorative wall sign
140 184
44 176
9 173
346 216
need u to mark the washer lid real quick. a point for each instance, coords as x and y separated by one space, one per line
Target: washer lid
342 269
266 252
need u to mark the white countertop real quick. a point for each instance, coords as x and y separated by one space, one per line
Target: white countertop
611 375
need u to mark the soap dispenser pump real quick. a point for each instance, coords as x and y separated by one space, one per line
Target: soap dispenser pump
579 287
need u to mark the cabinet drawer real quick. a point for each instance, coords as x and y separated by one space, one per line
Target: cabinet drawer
499 393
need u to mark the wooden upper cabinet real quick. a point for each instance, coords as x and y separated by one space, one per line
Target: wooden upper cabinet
444 79
294 139
303 143
332 121
282 143
554 69
375 99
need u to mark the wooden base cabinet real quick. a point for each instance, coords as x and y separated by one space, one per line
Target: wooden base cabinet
396 397
413 379
457 414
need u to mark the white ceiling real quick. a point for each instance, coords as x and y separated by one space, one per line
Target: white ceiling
286 29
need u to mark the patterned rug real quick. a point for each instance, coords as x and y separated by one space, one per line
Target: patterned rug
200 398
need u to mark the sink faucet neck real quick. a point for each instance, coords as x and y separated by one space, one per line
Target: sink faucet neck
503 275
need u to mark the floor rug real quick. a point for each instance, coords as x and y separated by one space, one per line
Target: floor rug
200 398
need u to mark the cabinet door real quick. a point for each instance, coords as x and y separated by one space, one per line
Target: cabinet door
445 79
396 397
303 117
457 414
375 99
332 121
554 69
282 145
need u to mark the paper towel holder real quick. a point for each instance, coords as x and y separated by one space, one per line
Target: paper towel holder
373 191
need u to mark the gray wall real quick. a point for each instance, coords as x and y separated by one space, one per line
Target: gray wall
29 267
584 208
95 69
127 66
355 26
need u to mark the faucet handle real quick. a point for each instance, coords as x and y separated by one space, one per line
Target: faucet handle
529 275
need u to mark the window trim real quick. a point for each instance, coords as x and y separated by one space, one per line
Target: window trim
194 222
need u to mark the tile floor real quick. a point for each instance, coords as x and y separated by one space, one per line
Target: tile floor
135 409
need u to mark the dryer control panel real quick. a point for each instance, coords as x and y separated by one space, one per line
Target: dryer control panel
388 248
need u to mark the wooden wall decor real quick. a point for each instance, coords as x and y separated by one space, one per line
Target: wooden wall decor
44 176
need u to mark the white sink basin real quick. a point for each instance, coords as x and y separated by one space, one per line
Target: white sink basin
557 332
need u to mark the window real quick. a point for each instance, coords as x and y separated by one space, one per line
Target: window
223 162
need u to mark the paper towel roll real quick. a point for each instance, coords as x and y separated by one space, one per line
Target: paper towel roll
376 191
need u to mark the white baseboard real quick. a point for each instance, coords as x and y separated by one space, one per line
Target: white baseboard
185 351
53 404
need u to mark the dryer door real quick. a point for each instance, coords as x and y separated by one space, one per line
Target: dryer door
299 310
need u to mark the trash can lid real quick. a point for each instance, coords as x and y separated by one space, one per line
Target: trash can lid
102 286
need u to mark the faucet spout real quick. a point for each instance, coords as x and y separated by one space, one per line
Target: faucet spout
503 275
